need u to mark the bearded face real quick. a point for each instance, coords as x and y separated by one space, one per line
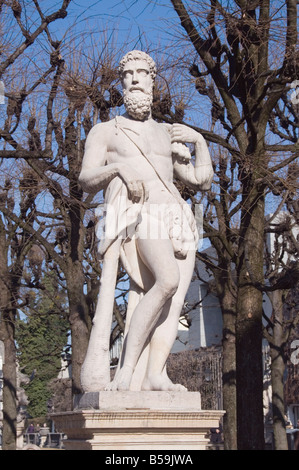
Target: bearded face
137 81
138 103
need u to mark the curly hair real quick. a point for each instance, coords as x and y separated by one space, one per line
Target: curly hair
138 55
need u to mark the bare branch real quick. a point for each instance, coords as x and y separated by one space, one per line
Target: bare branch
61 13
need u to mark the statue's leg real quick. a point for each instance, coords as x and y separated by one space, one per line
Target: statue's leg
165 332
158 256
135 295
95 372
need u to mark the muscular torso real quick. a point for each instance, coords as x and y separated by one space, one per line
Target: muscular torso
129 140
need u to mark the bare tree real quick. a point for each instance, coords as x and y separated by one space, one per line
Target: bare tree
15 242
15 246
282 276
242 66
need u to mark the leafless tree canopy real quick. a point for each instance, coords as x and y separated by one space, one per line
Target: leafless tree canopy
230 72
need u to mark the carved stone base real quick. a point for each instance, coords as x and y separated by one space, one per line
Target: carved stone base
106 400
158 421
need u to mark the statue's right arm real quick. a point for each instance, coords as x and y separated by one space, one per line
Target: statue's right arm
95 172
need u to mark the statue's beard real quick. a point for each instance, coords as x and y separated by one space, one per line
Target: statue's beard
138 105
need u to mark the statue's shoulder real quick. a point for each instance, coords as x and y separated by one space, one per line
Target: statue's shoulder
167 127
164 127
103 126
101 130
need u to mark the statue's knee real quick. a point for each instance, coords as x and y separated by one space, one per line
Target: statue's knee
169 284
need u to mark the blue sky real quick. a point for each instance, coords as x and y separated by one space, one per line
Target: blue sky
142 20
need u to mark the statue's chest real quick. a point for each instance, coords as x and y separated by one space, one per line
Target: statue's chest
148 140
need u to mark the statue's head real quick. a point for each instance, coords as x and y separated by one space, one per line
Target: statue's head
138 71
138 55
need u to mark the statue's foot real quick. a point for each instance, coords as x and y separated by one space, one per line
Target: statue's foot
94 382
94 387
162 383
95 373
122 380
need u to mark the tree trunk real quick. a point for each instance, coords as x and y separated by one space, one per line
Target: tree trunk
7 331
227 297
250 424
9 382
277 373
229 377
79 320
279 427
80 336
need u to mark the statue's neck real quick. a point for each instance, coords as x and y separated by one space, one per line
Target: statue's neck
127 115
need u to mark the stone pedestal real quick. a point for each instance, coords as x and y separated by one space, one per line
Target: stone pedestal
137 421
19 435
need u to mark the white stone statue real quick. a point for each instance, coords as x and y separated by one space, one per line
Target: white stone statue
147 225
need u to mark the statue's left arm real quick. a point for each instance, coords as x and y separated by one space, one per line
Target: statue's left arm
200 175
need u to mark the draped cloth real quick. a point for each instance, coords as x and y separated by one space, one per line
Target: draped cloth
120 218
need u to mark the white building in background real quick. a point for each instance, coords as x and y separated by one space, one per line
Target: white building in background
206 318
66 367
203 314
203 307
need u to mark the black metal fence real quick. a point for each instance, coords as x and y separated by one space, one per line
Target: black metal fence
51 440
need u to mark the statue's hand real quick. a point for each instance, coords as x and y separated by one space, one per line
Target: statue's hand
182 133
181 151
137 190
